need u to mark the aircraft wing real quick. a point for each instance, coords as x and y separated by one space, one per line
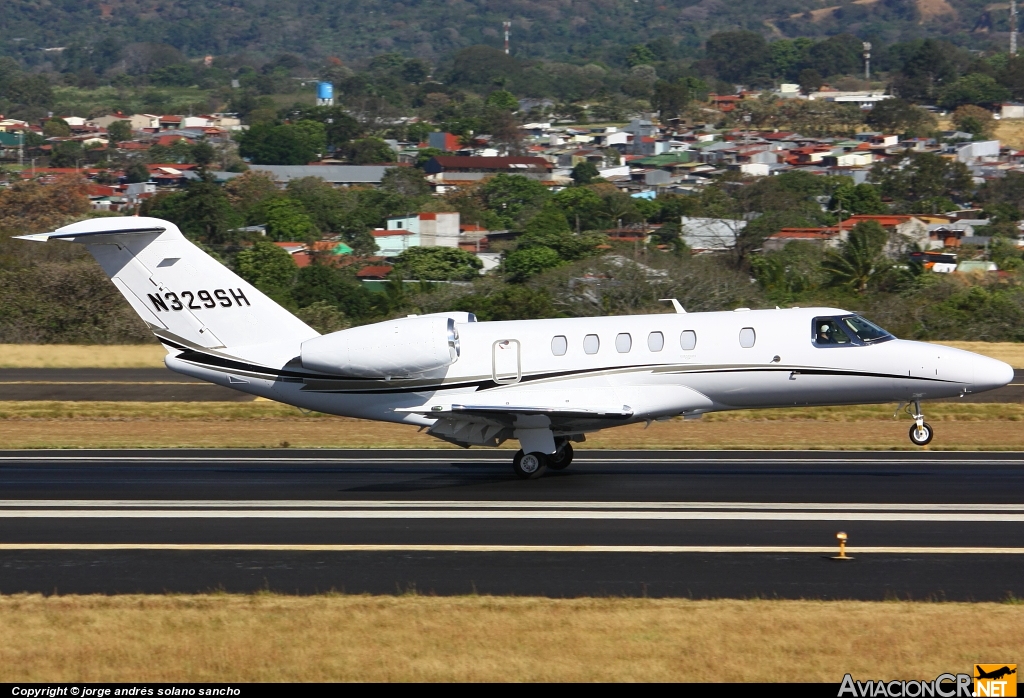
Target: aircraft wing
509 413
481 417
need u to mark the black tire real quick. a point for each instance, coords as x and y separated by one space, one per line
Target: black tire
561 458
925 437
528 465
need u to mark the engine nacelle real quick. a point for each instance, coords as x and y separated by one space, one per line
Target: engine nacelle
401 348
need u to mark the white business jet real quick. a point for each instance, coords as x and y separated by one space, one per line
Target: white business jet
545 383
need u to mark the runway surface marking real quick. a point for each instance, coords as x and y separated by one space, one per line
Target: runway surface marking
370 547
996 458
505 510
489 504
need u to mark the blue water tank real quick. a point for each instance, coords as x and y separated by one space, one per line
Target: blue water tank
324 90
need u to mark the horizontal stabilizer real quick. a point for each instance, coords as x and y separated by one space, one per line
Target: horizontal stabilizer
57 235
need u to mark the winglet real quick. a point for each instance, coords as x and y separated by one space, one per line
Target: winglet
675 304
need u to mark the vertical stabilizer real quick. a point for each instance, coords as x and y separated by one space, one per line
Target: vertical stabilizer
186 297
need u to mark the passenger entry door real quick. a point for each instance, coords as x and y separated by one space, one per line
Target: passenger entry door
506 362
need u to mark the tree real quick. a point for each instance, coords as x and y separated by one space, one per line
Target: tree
550 229
859 260
119 131
369 151
791 272
405 181
67 154
979 89
203 154
582 207
202 211
974 120
269 268
670 98
926 70
340 127
30 207
810 81
323 284
584 172
895 115
837 55
640 55
284 144
852 200
56 128
513 198
523 263
323 316
249 189
136 172
738 56
502 99
483 67
286 219
437 264
921 177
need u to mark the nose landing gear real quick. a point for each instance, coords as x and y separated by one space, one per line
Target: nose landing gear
921 433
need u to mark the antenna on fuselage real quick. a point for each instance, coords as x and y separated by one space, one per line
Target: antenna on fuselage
675 304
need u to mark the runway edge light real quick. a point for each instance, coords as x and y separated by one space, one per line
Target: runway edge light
841 537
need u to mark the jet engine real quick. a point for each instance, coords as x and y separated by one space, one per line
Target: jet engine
401 348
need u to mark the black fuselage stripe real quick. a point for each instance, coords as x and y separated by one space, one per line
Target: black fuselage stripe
223 363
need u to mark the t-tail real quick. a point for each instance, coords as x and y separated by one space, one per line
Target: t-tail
188 299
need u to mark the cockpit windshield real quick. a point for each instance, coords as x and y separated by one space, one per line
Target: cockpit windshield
846 331
864 330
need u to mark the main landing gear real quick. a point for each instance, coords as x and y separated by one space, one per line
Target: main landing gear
921 433
530 465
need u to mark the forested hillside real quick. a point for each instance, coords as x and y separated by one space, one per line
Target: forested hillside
599 30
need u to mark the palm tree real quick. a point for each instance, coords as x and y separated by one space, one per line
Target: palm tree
860 259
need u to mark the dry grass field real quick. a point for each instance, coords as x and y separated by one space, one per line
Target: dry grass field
152 355
267 637
1010 132
264 424
81 356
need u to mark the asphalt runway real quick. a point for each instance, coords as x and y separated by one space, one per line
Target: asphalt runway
163 385
690 524
111 384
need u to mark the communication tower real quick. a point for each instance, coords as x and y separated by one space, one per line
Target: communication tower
508 31
1013 27
867 60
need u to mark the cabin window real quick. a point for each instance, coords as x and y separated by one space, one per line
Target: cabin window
623 343
655 341
747 337
559 345
591 344
688 340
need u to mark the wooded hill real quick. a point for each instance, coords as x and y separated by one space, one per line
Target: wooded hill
576 30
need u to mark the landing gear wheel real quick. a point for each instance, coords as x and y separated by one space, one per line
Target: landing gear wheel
528 465
561 458
921 435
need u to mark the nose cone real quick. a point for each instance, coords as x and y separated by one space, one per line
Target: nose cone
990 374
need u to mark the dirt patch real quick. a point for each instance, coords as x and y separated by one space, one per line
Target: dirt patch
930 9
414 638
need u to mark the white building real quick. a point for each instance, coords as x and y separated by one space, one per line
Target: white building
418 230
